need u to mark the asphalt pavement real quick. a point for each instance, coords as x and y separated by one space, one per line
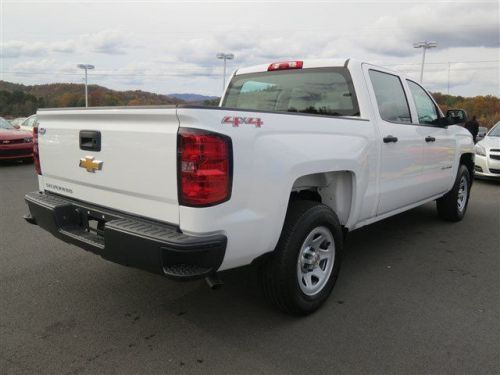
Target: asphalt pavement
416 295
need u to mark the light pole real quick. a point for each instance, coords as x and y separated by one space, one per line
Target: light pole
86 67
449 68
425 45
225 57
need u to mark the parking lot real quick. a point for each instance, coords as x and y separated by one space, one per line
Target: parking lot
416 295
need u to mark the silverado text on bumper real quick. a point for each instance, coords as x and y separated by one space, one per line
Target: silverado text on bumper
125 239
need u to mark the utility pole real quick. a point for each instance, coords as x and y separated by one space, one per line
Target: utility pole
425 45
225 57
86 67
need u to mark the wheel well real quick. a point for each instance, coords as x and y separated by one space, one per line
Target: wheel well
334 189
468 161
310 195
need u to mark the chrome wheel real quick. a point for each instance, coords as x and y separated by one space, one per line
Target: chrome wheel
462 194
315 262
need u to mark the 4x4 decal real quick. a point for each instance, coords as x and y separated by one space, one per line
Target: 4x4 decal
236 121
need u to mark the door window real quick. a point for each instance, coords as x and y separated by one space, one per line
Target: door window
426 109
391 97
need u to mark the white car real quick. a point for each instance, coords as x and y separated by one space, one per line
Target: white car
28 124
16 123
298 154
487 160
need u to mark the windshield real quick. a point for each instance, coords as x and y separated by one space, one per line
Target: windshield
495 131
323 91
4 124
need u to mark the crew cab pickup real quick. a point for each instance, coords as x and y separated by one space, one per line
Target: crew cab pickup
297 154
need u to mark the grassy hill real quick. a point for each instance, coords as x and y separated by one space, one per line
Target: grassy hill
23 100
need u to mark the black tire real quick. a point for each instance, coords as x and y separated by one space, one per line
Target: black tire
279 274
447 206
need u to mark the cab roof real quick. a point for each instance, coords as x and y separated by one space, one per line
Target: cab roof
323 63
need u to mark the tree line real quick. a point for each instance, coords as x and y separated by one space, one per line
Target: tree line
485 108
18 100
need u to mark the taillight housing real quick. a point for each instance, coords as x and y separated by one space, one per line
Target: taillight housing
36 155
285 65
204 167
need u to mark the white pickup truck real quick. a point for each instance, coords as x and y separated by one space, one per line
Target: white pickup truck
297 154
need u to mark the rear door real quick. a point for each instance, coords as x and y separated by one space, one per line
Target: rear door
123 159
399 141
439 143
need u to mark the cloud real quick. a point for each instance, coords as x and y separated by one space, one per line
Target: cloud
68 46
111 42
49 66
182 51
17 48
252 47
451 25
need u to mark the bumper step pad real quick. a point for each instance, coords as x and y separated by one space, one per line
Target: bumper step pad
121 238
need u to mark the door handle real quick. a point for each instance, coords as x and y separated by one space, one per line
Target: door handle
430 139
390 139
90 140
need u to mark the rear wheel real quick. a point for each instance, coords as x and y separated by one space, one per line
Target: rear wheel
453 205
303 269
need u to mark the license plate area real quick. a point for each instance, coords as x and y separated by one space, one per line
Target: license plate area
93 222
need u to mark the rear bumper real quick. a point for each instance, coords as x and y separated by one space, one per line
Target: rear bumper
127 240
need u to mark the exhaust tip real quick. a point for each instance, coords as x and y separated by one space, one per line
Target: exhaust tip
214 282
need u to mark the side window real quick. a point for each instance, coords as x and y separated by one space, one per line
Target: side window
426 109
391 97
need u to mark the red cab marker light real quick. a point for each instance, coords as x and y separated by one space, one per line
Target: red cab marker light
285 65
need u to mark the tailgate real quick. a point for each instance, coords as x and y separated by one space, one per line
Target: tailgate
135 170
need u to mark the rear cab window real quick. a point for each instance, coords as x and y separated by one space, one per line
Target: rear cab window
319 91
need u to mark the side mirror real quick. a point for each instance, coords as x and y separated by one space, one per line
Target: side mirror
456 116
444 122
17 127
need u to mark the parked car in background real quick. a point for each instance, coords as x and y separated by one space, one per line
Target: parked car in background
29 123
487 160
16 122
14 144
481 133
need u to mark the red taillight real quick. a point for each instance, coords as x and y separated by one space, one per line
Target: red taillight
204 167
36 156
285 65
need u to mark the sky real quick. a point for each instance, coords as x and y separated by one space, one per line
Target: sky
171 46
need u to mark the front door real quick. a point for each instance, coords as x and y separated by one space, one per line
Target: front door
438 143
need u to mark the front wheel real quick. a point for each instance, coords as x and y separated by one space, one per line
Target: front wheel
453 205
303 269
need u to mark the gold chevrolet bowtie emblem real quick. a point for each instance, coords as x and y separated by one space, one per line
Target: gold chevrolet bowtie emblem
90 164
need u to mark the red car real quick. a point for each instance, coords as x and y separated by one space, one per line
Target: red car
14 144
